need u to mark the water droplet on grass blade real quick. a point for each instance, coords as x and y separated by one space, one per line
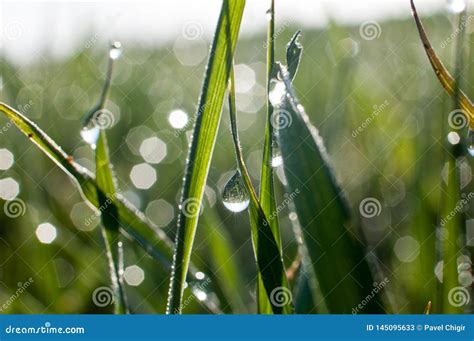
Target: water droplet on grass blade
90 134
268 14
470 148
115 50
277 159
277 92
235 196
453 137
456 6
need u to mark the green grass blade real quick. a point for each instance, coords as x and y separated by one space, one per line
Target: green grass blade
337 254
293 55
135 225
445 78
224 263
267 252
202 145
106 197
267 192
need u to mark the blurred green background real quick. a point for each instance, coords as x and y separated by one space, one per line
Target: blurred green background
382 84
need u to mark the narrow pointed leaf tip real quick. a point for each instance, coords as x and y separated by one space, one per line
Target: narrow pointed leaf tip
337 252
294 49
445 78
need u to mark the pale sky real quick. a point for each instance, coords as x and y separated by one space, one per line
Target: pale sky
30 27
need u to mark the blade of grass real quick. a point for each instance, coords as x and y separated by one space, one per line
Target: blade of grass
202 144
441 72
337 252
453 217
224 263
267 192
106 196
266 249
152 239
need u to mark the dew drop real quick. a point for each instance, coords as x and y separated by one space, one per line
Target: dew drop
90 134
115 50
456 6
277 159
453 137
268 14
470 148
235 196
277 92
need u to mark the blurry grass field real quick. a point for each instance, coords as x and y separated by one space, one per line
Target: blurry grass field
377 105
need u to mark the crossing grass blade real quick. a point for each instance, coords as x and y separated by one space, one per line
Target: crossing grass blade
445 78
202 144
267 252
106 196
267 191
134 224
336 251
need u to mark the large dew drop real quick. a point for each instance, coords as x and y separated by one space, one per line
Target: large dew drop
277 92
90 134
235 196
115 50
